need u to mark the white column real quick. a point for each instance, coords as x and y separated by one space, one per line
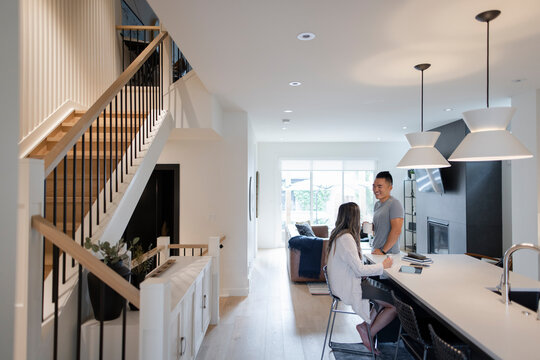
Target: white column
163 254
213 251
154 319
29 261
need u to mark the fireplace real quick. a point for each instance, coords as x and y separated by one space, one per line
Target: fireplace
437 236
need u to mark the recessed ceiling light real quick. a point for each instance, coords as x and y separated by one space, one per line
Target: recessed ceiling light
448 109
287 111
404 128
284 128
378 139
295 83
305 36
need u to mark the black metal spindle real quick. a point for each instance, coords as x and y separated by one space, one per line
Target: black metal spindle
124 330
131 110
140 87
145 107
64 217
160 77
200 254
116 142
104 160
44 241
192 251
74 166
97 171
80 279
102 307
90 185
56 254
110 152
121 135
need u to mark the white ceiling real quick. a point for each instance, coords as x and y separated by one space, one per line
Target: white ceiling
358 79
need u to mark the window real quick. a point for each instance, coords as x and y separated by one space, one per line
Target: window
314 189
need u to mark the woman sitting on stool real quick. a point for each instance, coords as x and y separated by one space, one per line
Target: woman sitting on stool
347 272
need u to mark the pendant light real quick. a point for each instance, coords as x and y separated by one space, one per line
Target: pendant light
423 154
489 140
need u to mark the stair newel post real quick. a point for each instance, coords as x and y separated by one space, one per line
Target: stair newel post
164 241
213 251
30 252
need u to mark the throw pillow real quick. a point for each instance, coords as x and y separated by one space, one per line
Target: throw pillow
305 229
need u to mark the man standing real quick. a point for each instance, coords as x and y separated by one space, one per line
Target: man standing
387 217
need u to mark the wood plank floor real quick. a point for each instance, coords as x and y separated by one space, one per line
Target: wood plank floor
278 320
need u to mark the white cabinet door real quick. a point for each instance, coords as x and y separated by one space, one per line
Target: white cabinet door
185 341
207 288
197 314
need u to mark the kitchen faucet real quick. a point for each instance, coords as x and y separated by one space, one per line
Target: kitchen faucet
504 285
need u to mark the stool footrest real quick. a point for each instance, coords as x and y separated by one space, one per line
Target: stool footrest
351 348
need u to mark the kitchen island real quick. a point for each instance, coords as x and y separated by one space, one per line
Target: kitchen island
455 289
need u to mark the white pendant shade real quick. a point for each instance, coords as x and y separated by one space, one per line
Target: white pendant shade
423 154
489 140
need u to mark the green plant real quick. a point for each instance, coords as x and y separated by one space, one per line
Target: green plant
111 253
137 252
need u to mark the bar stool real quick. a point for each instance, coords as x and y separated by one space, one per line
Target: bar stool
332 318
409 332
443 350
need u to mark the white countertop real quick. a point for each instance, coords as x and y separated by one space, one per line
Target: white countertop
455 288
183 275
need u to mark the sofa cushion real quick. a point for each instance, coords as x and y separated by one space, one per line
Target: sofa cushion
305 229
311 249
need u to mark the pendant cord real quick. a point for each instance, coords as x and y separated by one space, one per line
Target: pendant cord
487 75
422 105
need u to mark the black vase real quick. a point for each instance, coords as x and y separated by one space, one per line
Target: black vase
114 302
136 280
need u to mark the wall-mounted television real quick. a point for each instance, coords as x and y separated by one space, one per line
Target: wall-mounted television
429 180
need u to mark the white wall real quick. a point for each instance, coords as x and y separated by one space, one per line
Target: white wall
387 155
9 99
195 110
64 45
214 196
524 183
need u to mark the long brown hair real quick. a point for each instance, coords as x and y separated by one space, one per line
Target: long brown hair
348 221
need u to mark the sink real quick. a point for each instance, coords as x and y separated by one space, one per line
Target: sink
525 297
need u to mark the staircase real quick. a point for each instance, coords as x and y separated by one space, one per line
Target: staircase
61 198
94 168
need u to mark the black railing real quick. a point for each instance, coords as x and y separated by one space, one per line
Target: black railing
117 135
180 65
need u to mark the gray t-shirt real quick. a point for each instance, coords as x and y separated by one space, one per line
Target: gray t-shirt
383 213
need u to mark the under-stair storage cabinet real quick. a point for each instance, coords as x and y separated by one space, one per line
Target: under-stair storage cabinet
178 329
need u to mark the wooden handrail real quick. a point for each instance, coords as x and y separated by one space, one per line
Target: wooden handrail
137 27
188 246
147 255
86 259
58 152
